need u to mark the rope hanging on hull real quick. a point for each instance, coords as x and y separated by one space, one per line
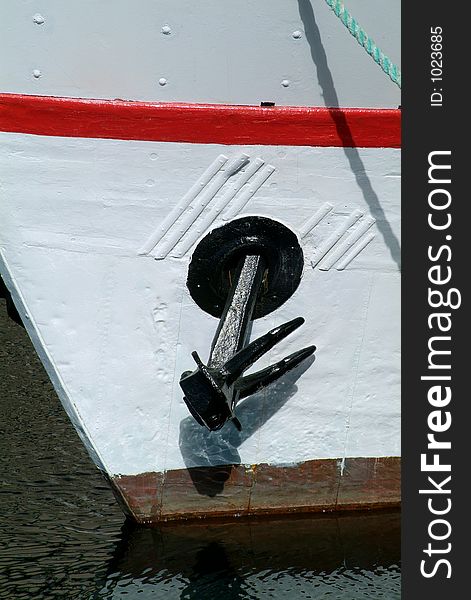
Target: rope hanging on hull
364 40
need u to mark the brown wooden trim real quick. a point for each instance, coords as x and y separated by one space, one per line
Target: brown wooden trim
230 491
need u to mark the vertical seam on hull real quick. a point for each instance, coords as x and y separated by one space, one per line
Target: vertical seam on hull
253 471
171 401
264 404
104 332
350 408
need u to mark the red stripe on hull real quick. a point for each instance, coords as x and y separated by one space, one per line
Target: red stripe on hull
200 123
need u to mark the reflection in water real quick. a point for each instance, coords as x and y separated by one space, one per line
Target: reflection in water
59 521
352 556
213 574
62 534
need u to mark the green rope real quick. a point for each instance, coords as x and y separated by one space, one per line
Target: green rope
364 40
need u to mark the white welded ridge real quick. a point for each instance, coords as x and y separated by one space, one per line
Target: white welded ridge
330 242
354 252
196 207
340 249
184 203
316 218
248 191
193 234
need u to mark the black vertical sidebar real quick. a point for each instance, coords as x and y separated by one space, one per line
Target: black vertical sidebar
436 217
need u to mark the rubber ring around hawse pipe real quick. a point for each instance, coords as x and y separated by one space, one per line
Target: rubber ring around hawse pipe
209 273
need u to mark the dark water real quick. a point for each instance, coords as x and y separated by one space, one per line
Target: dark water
62 535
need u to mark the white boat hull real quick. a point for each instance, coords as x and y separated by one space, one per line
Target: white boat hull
117 327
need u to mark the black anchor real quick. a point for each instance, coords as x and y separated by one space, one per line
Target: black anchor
213 390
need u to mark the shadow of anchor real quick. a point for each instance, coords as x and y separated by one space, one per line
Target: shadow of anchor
210 456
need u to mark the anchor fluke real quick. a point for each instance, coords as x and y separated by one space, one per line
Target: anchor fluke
247 386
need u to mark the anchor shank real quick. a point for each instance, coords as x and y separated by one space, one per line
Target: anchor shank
233 330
